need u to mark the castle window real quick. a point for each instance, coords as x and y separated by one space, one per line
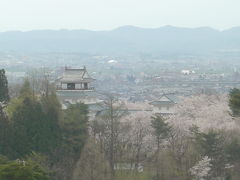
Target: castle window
85 85
71 86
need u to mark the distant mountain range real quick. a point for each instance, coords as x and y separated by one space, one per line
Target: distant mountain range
126 39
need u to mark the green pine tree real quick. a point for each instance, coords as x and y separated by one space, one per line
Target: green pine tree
75 127
22 170
5 135
36 128
211 144
26 90
4 96
234 101
161 130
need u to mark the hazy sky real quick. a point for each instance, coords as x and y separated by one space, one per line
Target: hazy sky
109 14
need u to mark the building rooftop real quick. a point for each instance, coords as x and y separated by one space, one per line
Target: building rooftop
75 75
166 99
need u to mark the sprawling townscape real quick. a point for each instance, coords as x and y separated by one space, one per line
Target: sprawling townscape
157 83
135 77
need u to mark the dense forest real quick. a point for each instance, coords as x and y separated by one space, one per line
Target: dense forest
41 141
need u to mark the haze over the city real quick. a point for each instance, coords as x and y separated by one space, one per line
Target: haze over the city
28 15
119 90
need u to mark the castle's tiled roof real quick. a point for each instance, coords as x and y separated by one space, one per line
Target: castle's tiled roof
79 75
166 99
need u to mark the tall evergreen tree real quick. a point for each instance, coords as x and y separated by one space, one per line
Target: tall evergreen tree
22 170
74 129
35 128
161 130
5 134
27 122
234 101
26 90
211 144
52 110
4 96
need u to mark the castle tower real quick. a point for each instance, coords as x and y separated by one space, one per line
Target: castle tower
75 86
75 80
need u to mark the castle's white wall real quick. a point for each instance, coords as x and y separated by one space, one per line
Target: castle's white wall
64 86
78 86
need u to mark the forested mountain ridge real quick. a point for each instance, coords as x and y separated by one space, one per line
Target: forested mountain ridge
126 39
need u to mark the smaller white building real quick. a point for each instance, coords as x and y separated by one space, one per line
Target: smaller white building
164 105
188 72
